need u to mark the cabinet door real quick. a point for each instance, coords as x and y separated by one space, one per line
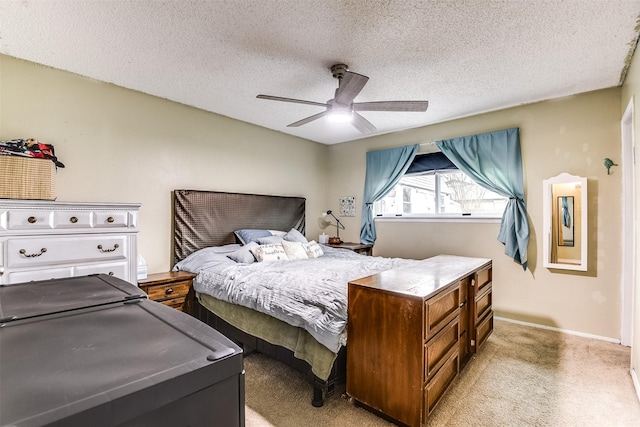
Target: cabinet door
481 308
465 321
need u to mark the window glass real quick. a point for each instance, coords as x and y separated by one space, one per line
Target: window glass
444 192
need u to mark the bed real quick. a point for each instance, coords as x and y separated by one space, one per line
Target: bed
204 226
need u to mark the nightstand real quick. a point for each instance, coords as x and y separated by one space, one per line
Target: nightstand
170 288
360 248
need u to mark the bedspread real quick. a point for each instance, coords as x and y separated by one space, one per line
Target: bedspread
309 293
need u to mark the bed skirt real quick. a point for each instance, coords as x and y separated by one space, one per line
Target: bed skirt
274 331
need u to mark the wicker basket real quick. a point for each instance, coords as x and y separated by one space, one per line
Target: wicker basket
27 178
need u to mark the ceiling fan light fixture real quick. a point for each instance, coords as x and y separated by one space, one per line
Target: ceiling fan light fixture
340 115
342 108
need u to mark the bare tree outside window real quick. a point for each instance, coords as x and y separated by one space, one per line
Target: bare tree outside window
465 191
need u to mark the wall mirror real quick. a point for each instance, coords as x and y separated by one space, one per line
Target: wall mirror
565 222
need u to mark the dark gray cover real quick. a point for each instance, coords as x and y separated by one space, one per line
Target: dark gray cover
29 299
116 364
209 218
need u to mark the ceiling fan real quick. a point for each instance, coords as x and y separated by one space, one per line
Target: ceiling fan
342 108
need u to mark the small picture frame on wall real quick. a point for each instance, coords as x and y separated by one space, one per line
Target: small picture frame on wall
348 206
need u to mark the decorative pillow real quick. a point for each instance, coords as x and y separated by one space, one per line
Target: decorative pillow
271 252
295 236
313 249
294 250
244 254
269 240
277 232
247 235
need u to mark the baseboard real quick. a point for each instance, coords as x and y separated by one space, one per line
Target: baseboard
564 331
636 383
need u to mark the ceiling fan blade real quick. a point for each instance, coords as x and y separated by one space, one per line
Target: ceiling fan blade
350 86
391 106
307 120
296 101
362 124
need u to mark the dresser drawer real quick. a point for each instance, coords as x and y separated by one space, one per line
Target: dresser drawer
483 280
72 219
107 219
37 219
116 269
483 330
12 277
483 304
177 303
440 310
439 384
172 290
65 219
440 348
49 250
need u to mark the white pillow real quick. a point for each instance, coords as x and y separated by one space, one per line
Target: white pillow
294 250
313 249
273 252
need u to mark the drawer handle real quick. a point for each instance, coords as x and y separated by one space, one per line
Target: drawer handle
110 219
168 291
116 246
32 219
24 252
73 220
462 304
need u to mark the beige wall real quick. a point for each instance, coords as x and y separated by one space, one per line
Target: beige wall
124 146
570 135
631 90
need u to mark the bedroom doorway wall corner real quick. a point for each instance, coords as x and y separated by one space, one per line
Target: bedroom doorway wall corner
628 224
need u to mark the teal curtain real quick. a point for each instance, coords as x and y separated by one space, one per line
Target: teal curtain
384 170
494 161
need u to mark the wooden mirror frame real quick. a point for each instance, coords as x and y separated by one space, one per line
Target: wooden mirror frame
580 213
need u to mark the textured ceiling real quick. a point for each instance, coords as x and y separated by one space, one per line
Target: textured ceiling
464 57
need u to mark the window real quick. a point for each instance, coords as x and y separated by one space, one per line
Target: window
440 192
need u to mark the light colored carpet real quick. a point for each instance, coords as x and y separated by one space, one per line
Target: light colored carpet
523 376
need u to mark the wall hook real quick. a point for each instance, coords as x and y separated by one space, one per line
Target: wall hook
608 163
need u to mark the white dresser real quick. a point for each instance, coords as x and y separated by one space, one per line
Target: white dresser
42 240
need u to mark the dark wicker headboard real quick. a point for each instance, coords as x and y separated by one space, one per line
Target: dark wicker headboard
209 218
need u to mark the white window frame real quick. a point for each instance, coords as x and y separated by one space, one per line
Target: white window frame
438 217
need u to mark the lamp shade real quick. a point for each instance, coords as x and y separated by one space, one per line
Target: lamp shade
324 221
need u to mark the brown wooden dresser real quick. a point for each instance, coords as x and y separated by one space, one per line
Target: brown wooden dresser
170 288
409 329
